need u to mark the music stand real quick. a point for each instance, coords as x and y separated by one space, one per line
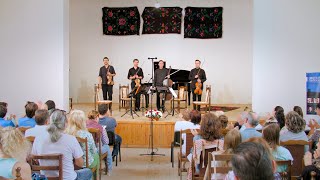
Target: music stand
174 95
152 119
130 109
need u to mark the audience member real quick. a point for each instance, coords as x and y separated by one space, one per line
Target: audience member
312 164
208 137
77 127
110 123
92 122
295 125
51 106
57 142
248 129
271 134
14 149
252 160
41 118
4 122
28 120
298 110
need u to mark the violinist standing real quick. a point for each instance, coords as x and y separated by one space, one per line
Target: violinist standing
159 76
135 73
105 80
197 76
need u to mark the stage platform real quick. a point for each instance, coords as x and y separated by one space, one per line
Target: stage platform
135 132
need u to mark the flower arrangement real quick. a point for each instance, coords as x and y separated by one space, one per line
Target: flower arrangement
154 114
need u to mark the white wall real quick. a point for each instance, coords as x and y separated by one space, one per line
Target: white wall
228 60
34 52
286 47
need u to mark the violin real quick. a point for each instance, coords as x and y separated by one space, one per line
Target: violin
198 89
109 77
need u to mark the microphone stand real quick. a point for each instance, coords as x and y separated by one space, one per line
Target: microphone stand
151 123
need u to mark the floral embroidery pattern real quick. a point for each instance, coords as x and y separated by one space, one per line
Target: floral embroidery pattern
162 20
121 21
203 23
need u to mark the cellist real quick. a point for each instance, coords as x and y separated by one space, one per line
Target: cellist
135 74
197 77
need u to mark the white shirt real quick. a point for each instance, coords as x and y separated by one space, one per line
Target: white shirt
183 125
37 131
66 145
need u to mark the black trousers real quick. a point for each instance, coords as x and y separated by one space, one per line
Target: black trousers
137 97
160 100
107 91
196 97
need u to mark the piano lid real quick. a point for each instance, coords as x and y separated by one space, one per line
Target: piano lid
180 76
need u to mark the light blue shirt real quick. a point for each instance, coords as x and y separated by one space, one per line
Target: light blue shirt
26 122
282 154
6 123
7 165
286 136
249 133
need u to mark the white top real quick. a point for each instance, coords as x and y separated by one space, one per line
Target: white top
37 131
183 125
66 145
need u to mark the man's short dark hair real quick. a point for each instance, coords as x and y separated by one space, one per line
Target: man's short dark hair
4 104
50 104
41 116
197 60
3 111
31 108
102 109
135 60
318 106
105 58
252 161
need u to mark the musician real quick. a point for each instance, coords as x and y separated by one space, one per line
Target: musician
197 75
135 73
159 76
107 85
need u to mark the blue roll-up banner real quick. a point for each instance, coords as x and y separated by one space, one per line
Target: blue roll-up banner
313 92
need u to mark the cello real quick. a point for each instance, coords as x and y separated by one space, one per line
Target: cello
167 82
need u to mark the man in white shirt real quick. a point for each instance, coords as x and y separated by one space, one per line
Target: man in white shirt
42 118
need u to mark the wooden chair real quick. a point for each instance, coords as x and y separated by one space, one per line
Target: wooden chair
285 175
206 102
37 167
200 176
18 174
124 100
182 158
98 100
182 97
296 148
85 142
175 143
23 129
219 169
112 142
96 134
30 139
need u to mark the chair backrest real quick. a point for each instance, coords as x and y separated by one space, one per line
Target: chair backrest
296 148
37 167
23 129
85 142
30 139
205 158
208 94
285 175
96 137
123 91
219 169
188 141
111 137
182 93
